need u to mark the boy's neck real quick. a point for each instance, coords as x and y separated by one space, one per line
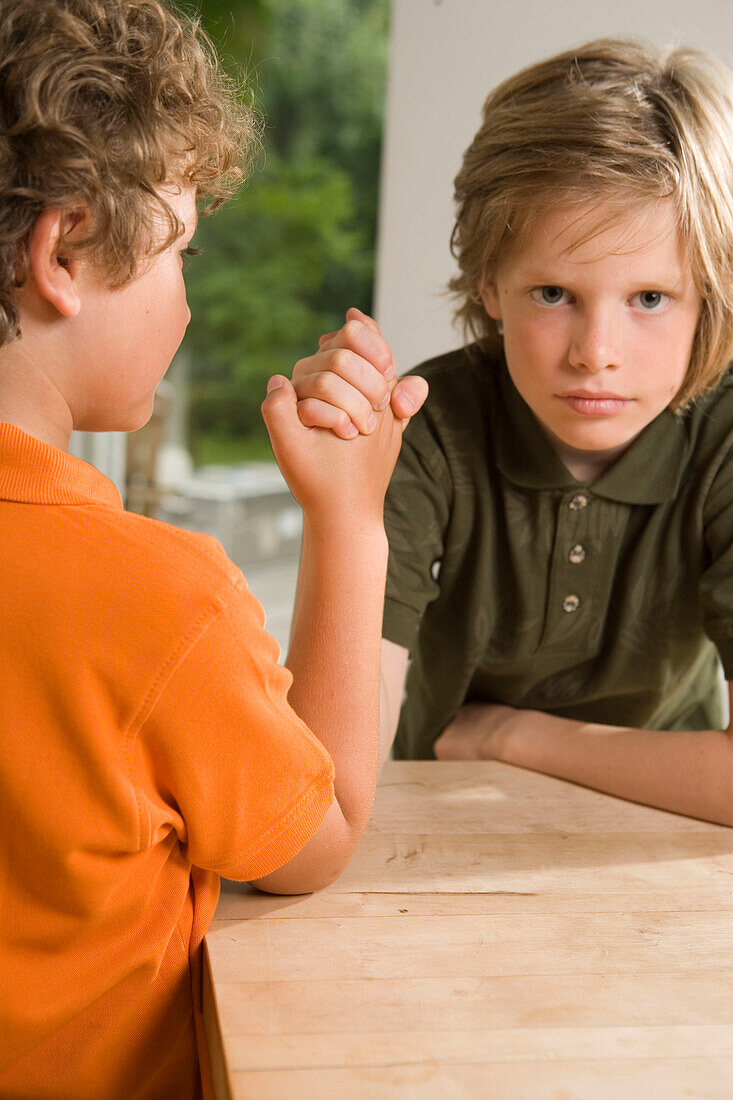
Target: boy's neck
586 466
30 400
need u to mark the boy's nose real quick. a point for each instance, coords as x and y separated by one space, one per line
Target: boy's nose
594 346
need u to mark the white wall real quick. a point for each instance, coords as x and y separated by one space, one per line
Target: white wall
446 55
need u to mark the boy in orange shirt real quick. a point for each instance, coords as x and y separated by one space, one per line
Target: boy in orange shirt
151 740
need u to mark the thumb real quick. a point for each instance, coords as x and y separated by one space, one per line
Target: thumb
280 410
280 394
408 396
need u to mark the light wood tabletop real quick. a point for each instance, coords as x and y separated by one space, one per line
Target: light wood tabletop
498 934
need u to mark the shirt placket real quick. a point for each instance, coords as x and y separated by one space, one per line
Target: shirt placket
569 618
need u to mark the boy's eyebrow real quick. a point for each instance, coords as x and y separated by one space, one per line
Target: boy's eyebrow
539 277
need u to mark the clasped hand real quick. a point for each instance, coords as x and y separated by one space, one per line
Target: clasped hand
351 379
349 388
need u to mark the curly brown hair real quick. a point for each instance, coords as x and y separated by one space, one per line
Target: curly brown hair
103 103
618 122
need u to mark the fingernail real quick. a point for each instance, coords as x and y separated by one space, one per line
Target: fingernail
275 383
351 431
383 403
372 422
407 402
390 372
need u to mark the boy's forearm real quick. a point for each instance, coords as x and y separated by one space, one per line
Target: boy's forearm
334 653
686 772
334 658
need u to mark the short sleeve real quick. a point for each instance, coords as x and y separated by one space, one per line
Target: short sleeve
716 586
416 514
224 758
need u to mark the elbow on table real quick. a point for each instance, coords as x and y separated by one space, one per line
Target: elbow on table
298 878
288 884
322 860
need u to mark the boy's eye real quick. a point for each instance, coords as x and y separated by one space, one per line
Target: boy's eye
651 300
549 295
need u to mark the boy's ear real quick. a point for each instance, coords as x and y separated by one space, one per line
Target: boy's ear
490 298
52 268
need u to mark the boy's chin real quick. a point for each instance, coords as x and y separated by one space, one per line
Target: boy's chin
588 437
593 440
135 423
131 420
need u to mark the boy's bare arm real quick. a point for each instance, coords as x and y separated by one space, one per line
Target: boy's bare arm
686 772
336 833
334 658
334 652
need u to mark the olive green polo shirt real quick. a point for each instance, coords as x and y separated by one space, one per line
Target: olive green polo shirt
511 582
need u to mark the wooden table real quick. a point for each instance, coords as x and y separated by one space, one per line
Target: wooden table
498 934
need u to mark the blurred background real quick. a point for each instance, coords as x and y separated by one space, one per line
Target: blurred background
287 257
280 264
369 105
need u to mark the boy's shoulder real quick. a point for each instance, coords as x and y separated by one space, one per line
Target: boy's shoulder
156 590
721 394
709 419
154 563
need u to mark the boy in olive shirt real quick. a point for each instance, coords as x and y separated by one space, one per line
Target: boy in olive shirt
561 515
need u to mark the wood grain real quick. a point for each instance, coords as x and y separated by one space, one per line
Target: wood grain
499 934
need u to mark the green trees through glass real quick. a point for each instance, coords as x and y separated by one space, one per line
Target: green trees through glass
295 249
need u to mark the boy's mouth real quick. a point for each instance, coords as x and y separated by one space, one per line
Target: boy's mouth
594 403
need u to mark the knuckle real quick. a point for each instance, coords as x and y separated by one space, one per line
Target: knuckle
340 359
366 410
302 368
384 353
380 352
352 330
321 384
306 411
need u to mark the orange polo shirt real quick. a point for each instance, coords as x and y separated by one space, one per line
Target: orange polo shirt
147 748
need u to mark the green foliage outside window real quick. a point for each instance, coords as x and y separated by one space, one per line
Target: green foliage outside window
286 258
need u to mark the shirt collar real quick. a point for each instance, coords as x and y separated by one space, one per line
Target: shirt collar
33 472
649 472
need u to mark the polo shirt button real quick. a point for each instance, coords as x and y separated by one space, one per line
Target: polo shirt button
571 603
577 554
577 502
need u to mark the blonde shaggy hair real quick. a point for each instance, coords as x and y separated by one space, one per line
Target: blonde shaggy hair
102 103
617 122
